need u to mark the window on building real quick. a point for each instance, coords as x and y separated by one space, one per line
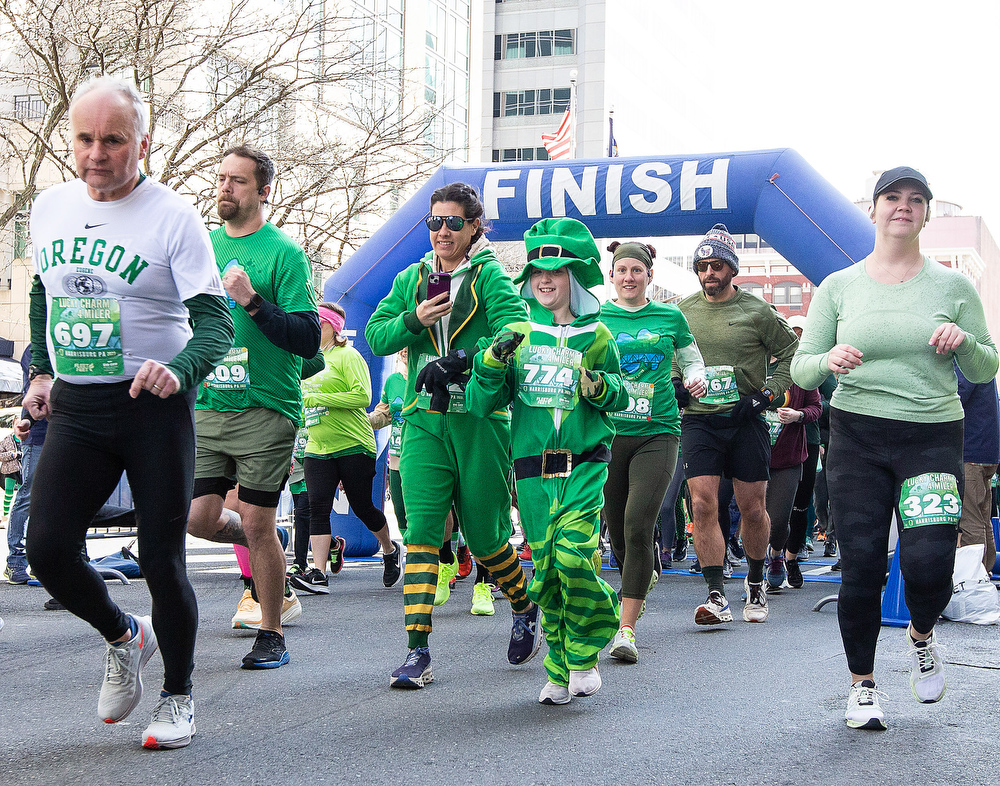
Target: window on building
29 107
525 103
521 154
756 289
788 294
539 43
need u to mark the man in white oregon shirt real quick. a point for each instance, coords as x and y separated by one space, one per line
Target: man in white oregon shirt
124 268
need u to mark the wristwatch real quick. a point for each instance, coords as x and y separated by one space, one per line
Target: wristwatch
255 302
34 371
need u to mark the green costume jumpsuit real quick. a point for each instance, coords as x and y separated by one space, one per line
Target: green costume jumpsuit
455 456
561 447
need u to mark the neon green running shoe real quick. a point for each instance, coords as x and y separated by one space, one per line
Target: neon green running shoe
482 600
446 572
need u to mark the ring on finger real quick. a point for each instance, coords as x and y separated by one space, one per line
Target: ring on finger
157 387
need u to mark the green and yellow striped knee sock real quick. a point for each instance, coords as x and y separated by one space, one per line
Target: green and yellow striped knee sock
419 585
506 570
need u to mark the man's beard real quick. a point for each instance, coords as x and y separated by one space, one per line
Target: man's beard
228 210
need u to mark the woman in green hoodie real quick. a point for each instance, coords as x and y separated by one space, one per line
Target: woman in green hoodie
448 454
559 369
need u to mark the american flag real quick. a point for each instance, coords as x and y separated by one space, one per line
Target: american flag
558 144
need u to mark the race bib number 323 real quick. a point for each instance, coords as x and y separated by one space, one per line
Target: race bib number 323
931 498
86 336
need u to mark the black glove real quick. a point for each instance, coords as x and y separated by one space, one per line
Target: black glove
505 344
681 393
749 407
435 377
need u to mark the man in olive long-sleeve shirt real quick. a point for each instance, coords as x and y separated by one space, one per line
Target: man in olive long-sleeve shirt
724 432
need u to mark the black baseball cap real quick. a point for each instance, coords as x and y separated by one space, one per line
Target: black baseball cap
890 177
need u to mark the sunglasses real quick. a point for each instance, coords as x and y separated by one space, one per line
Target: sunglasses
454 223
717 265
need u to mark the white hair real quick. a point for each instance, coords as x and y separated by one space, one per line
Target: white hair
123 88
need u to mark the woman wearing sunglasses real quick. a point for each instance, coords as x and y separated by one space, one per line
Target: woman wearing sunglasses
448 455
644 453
890 327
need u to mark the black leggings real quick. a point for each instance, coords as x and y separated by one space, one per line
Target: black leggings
302 528
95 432
638 476
868 460
798 523
781 490
323 475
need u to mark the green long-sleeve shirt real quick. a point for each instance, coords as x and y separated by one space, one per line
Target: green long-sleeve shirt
743 332
901 377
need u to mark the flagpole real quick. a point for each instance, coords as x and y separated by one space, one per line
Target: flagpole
572 109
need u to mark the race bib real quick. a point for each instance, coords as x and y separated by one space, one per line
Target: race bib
640 402
547 377
86 336
455 404
774 425
313 414
395 438
233 373
721 384
299 449
931 498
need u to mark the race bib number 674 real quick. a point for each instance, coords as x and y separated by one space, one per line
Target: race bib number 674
931 498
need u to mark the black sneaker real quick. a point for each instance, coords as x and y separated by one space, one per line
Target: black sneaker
681 550
525 636
337 549
313 581
835 566
53 605
736 547
830 550
415 671
658 561
268 651
695 568
390 566
794 573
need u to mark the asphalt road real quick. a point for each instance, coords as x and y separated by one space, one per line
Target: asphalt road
736 704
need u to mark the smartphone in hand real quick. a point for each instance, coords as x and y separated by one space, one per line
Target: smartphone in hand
438 283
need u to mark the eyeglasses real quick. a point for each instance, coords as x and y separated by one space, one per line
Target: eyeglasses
717 265
454 223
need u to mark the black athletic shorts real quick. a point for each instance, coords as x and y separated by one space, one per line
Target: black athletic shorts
714 445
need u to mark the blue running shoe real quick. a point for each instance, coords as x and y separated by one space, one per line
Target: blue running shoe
776 573
415 671
268 651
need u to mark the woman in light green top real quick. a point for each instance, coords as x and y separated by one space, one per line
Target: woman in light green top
341 448
890 327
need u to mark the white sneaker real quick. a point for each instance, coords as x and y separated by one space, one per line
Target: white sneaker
586 682
623 645
863 711
713 611
122 686
755 609
249 615
927 672
172 725
554 694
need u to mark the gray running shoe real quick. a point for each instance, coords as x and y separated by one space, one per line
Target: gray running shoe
172 725
122 686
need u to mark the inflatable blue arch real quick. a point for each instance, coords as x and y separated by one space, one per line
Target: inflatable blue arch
772 193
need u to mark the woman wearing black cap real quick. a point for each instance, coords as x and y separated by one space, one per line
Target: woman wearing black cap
889 328
644 452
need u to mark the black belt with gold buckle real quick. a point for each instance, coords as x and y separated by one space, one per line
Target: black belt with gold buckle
557 463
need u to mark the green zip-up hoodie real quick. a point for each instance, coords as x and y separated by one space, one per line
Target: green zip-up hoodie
484 302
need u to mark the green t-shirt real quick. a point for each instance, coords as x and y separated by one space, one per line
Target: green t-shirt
392 394
256 373
647 340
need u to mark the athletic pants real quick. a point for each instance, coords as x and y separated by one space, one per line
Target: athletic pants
95 433
868 460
